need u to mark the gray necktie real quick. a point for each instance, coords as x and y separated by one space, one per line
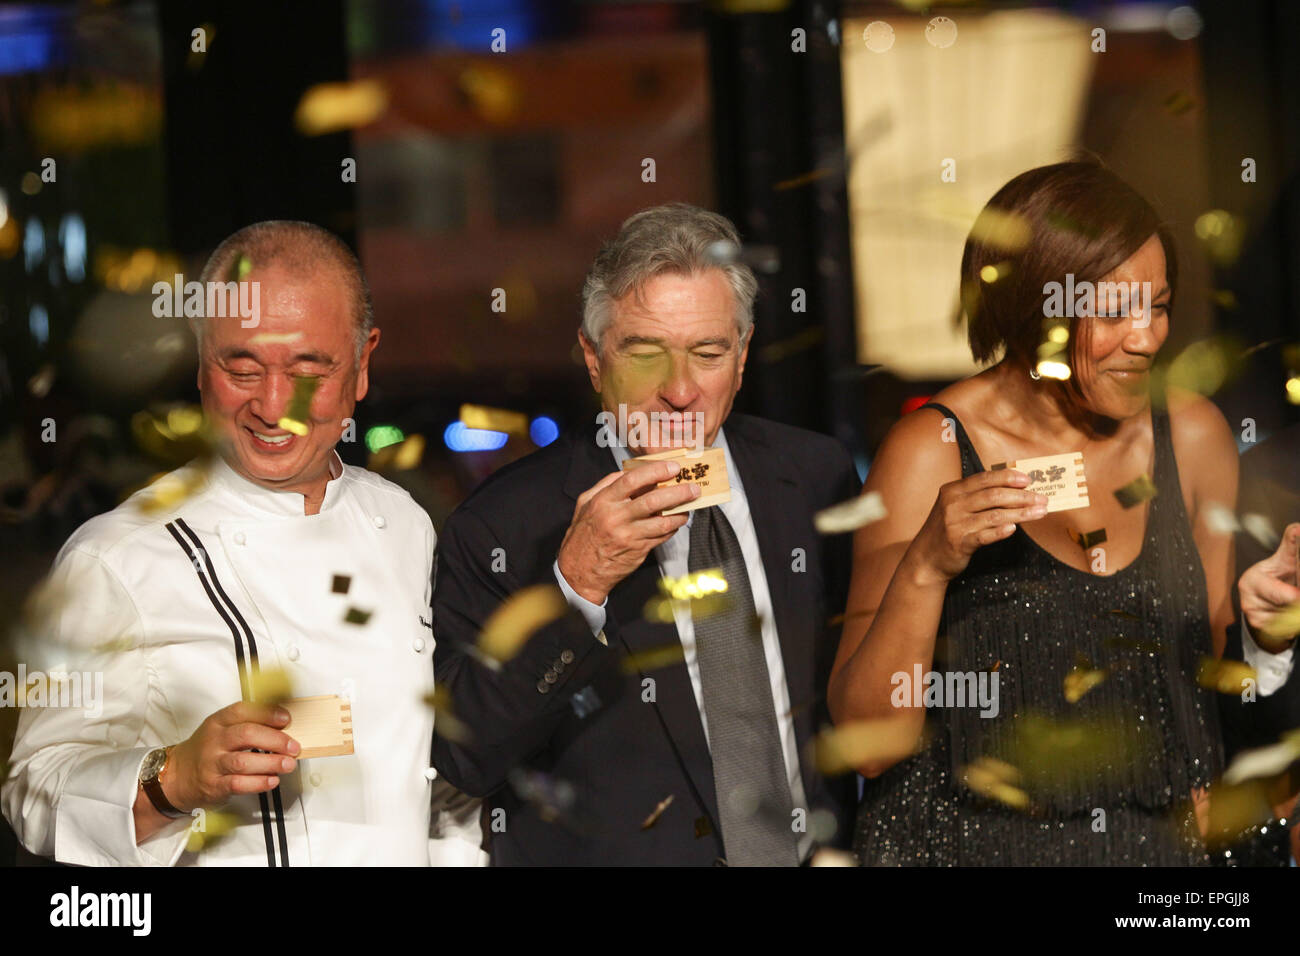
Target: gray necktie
749 774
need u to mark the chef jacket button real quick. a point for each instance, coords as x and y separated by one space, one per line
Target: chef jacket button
431 773
543 687
293 652
239 537
380 522
558 667
550 677
566 656
315 779
418 644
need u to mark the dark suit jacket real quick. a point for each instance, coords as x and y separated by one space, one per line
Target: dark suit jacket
571 781
1270 485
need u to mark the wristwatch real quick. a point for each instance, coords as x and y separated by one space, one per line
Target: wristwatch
154 761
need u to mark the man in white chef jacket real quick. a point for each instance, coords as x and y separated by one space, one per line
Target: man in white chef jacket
277 556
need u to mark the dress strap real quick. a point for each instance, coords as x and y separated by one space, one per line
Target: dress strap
970 459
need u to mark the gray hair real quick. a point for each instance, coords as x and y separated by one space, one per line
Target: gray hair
300 247
673 238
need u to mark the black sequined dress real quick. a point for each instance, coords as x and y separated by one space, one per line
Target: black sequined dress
1102 781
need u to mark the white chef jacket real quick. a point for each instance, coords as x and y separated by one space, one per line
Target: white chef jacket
179 597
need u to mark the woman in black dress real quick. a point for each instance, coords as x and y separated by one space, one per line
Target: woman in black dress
1085 626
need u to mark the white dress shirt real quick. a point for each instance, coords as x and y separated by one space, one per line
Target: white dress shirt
173 594
1271 670
672 556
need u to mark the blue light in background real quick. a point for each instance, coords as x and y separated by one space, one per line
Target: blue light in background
543 431
459 438
38 320
32 38
72 236
33 243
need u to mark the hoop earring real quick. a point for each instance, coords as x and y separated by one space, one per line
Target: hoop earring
1033 373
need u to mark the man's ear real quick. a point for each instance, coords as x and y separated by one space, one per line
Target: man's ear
363 366
590 358
744 354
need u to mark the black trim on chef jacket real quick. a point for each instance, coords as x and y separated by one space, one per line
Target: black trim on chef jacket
226 609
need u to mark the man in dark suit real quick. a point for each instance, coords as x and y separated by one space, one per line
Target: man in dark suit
629 732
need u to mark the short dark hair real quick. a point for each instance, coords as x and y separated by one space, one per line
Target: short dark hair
302 248
1075 217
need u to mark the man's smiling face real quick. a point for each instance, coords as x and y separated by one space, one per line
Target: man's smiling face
246 376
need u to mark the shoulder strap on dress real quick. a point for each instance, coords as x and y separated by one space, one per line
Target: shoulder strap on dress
970 459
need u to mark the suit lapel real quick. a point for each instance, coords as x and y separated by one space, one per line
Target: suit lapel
774 497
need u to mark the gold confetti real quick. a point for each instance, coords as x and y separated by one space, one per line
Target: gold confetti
1261 529
210 827
850 515
697 584
493 92
1091 539
1284 624
855 744
1266 761
1221 520
662 610
654 659
522 613
298 416
1227 677
1079 681
446 724
1004 230
996 780
168 491
828 856
992 273
270 685
1138 490
356 615
399 456
657 812
494 419
340 584
333 107
1177 103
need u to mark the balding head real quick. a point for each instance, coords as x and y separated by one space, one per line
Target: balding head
302 249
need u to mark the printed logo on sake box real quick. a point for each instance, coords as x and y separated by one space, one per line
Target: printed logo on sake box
1059 477
705 467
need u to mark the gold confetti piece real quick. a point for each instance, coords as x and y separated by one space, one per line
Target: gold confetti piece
209 827
1079 681
1004 230
1206 366
1138 490
1261 529
1284 624
170 490
662 610
493 92
446 724
522 613
657 812
298 416
1221 520
333 107
1266 761
778 351
850 515
804 179
654 659
1222 234
356 615
41 383
494 419
270 685
1063 223
275 338
340 584
828 856
855 744
1091 539
1227 677
409 453
995 779
697 584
